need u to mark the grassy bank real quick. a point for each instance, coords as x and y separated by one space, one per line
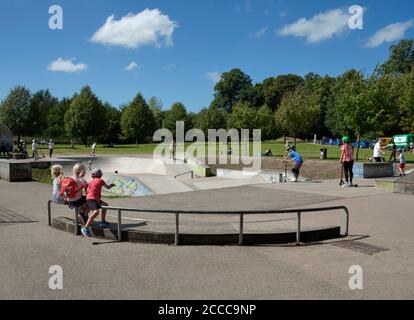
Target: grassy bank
307 150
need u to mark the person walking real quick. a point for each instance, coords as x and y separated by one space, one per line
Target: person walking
51 148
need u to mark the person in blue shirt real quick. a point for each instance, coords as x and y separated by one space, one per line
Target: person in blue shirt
295 158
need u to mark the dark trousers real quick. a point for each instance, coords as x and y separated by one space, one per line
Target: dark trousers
50 153
348 170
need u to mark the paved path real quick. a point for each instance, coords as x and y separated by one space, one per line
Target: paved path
382 223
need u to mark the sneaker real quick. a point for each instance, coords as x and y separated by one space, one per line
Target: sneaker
85 232
104 224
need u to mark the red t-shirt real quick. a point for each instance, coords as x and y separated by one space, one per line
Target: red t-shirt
95 189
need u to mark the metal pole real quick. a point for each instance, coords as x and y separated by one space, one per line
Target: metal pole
120 225
241 229
177 228
347 221
76 221
298 232
49 213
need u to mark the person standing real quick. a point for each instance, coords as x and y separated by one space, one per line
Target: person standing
347 160
35 155
93 153
378 151
51 148
393 155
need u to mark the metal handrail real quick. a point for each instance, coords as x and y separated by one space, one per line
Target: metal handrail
241 213
181 174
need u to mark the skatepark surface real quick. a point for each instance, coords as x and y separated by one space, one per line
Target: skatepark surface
381 241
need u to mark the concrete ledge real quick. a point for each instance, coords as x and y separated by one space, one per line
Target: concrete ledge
15 171
373 170
200 169
311 235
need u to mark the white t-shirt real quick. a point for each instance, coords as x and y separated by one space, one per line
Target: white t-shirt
377 150
51 145
402 158
34 146
94 146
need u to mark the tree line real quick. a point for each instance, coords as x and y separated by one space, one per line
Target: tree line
354 103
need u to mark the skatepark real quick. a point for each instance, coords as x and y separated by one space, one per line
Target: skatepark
151 267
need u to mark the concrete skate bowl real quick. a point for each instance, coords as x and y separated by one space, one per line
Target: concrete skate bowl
192 227
132 176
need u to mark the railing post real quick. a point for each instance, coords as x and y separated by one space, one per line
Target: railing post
347 221
177 229
119 225
298 231
49 213
241 229
76 221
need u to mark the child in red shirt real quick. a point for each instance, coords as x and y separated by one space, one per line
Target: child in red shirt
94 202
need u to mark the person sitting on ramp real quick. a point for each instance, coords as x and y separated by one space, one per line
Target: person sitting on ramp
296 159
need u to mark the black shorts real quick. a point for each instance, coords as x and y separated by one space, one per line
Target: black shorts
94 205
78 203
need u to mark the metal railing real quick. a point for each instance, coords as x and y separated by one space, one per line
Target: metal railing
184 173
49 216
240 213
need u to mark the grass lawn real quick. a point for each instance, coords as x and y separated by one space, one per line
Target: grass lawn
42 176
307 150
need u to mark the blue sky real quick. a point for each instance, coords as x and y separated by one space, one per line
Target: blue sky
176 48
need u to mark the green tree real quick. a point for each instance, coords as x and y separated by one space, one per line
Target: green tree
234 86
210 118
298 113
137 120
265 120
178 112
242 117
272 90
156 108
15 111
56 119
401 58
40 105
405 88
85 117
113 124
322 87
355 108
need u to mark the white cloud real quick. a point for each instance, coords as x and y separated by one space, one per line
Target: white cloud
132 66
261 32
390 33
213 76
61 65
320 27
149 27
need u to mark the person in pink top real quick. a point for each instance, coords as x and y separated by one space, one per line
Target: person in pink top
94 202
347 160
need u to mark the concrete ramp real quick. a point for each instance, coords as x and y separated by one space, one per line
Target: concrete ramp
130 165
404 184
